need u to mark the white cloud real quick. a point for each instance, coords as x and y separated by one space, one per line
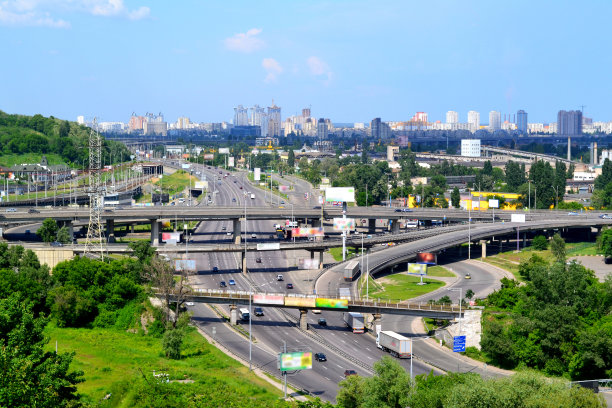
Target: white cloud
273 68
245 42
42 12
319 68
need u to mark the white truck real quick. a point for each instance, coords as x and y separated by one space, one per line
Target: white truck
252 196
394 343
354 321
351 270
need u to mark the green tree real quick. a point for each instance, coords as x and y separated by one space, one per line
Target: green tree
456 198
606 175
557 247
173 343
48 231
541 175
390 387
31 376
604 242
142 250
63 235
291 158
469 294
351 392
540 243
487 169
515 176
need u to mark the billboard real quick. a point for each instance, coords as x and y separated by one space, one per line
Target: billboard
171 237
308 263
274 246
417 269
296 361
202 185
426 258
230 161
257 174
184 265
185 166
269 299
283 189
345 194
307 232
209 156
493 203
332 303
300 301
224 150
517 218
344 224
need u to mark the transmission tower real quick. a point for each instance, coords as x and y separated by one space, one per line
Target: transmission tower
95 235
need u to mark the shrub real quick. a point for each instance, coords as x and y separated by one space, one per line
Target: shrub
540 243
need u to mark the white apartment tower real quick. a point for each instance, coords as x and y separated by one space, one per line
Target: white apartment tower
473 121
452 117
241 116
494 121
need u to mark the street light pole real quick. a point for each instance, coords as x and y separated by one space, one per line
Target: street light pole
470 231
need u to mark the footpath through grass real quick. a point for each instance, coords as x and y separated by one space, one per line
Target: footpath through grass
122 363
400 287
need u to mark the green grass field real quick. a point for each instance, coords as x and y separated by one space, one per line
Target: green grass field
9 160
176 182
112 360
401 287
439 271
336 253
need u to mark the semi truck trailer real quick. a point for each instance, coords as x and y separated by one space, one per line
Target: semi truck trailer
394 343
354 321
351 270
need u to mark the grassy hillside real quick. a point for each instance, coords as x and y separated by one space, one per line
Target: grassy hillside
24 139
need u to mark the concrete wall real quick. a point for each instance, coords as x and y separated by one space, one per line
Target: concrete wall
471 328
52 257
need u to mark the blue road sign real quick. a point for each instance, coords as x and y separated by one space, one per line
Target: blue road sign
459 344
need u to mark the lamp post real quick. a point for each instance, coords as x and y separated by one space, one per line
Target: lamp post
470 230
460 290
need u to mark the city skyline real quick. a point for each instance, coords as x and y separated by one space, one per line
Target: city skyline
202 60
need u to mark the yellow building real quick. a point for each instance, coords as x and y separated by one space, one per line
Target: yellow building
479 200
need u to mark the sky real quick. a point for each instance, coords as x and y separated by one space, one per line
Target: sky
349 61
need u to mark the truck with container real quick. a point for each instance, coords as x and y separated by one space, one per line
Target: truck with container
252 196
354 321
394 343
351 270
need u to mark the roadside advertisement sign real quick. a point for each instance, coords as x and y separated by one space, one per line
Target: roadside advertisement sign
517 218
185 265
344 224
300 301
185 165
308 263
296 361
417 269
224 150
493 203
320 200
283 189
344 194
269 299
257 174
209 156
274 246
332 303
426 258
202 185
171 237
230 161
307 232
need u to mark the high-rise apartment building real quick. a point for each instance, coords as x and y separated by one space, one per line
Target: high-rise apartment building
306 112
241 116
452 117
473 121
521 121
379 129
182 123
494 121
274 120
322 130
81 120
569 123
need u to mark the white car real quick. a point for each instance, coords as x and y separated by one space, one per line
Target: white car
190 303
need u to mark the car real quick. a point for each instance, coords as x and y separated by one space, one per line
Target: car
468 276
241 187
282 202
349 373
316 311
215 269
316 207
222 284
290 286
190 303
108 210
572 213
279 278
232 282
253 236
223 228
407 210
234 181
28 232
322 322
56 244
605 216
11 210
258 311
33 211
398 210
228 233
320 357
258 260
233 200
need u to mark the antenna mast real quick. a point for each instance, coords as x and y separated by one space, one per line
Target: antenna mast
95 233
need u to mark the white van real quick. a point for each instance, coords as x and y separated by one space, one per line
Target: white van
244 314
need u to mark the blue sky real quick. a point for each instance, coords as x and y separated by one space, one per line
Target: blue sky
349 60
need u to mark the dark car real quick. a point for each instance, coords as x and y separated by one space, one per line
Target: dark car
322 322
398 210
290 286
258 260
320 357
605 216
349 372
215 269
33 211
222 284
316 207
258 311
56 244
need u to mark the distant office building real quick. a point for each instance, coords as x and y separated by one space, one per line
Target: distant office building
155 128
419 117
473 121
605 154
246 131
470 147
182 123
494 121
241 116
136 122
322 130
81 120
306 112
521 121
452 117
379 129
274 120
569 123
257 116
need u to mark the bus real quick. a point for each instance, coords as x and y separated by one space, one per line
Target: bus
244 314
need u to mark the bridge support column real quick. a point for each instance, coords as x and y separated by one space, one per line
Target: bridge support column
524 239
321 259
243 263
483 244
376 321
155 230
233 315
236 228
371 225
110 230
132 228
395 226
303 321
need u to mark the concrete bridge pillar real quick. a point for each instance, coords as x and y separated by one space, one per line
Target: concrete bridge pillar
132 228
243 263
524 239
303 321
233 315
155 231
236 228
483 244
316 222
376 321
395 226
110 230
321 259
371 225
